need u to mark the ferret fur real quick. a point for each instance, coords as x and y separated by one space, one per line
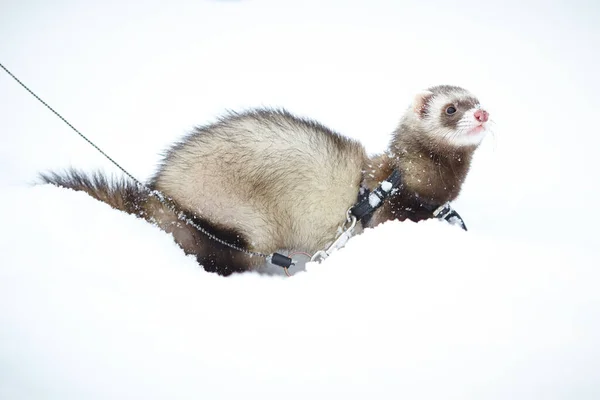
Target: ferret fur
266 180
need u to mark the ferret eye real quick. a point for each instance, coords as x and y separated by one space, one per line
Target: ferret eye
450 110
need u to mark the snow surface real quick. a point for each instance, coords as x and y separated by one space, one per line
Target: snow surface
374 200
386 186
95 303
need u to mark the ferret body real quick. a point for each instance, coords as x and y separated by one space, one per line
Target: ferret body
266 180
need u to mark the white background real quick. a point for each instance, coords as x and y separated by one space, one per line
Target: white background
94 303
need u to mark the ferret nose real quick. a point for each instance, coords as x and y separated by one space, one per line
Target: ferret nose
481 115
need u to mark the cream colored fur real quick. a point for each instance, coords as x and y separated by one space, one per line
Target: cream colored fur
283 183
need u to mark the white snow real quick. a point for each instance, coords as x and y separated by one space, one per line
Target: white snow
97 304
386 186
374 200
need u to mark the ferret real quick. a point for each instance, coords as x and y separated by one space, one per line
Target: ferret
265 180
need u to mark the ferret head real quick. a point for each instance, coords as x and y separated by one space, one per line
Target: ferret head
448 116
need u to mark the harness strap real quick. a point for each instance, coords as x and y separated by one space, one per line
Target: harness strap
369 201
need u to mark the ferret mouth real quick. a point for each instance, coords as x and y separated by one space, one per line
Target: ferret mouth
468 136
476 131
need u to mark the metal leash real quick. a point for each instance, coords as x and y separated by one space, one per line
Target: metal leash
348 230
71 126
166 201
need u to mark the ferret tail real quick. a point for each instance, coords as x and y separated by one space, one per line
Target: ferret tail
121 194
126 195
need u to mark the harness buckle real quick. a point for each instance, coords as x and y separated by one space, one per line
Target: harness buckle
443 211
447 213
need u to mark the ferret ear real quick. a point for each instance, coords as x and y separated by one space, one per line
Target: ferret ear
420 102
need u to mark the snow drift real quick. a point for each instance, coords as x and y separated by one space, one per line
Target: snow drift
107 306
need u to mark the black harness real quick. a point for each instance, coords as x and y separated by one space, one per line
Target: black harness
369 201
